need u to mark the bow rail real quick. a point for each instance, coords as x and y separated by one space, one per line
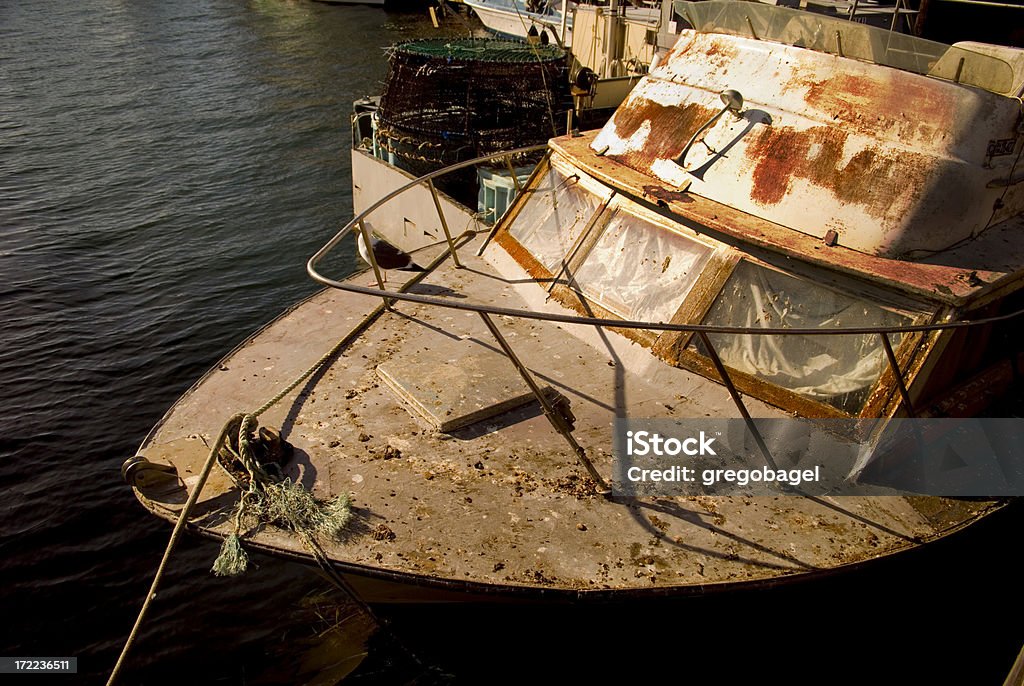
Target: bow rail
486 311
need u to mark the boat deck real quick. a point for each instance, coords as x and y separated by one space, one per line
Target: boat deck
501 505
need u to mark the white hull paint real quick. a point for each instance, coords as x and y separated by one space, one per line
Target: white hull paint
509 22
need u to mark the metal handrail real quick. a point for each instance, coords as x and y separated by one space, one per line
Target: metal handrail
700 330
314 261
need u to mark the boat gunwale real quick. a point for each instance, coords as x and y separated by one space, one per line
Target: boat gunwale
498 591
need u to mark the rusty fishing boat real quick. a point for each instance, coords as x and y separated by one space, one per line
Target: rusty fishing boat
777 175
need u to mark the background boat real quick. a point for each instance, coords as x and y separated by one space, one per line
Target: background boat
521 19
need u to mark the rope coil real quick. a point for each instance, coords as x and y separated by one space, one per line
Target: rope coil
233 559
269 498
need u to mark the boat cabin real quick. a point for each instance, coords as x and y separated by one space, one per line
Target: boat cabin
828 193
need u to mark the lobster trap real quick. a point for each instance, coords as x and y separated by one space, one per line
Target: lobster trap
450 100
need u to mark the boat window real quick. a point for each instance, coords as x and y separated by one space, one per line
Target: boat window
639 270
839 370
858 41
554 216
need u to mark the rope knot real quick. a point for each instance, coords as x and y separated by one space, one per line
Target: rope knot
253 457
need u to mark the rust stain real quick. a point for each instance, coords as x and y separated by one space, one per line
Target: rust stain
775 151
869 104
523 256
671 127
683 45
932 281
666 195
718 54
872 178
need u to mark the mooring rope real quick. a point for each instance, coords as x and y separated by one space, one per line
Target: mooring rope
179 528
245 422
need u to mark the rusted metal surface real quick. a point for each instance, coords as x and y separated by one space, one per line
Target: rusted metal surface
655 131
879 104
871 178
948 283
896 163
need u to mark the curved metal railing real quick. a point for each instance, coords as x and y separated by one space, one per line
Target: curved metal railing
427 180
700 330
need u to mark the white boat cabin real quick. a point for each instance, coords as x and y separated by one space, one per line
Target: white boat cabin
869 182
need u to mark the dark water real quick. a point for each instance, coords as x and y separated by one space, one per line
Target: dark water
165 170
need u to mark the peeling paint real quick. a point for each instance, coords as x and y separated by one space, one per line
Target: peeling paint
896 162
945 283
665 195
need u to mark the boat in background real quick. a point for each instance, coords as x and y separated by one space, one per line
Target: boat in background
791 220
547 21
445 101
613 51
612 45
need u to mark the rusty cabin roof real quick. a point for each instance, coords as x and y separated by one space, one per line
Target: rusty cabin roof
899 164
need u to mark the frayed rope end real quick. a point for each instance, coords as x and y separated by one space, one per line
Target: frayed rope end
335 516
233 560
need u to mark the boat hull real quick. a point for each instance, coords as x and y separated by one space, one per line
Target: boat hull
379 587
529 528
